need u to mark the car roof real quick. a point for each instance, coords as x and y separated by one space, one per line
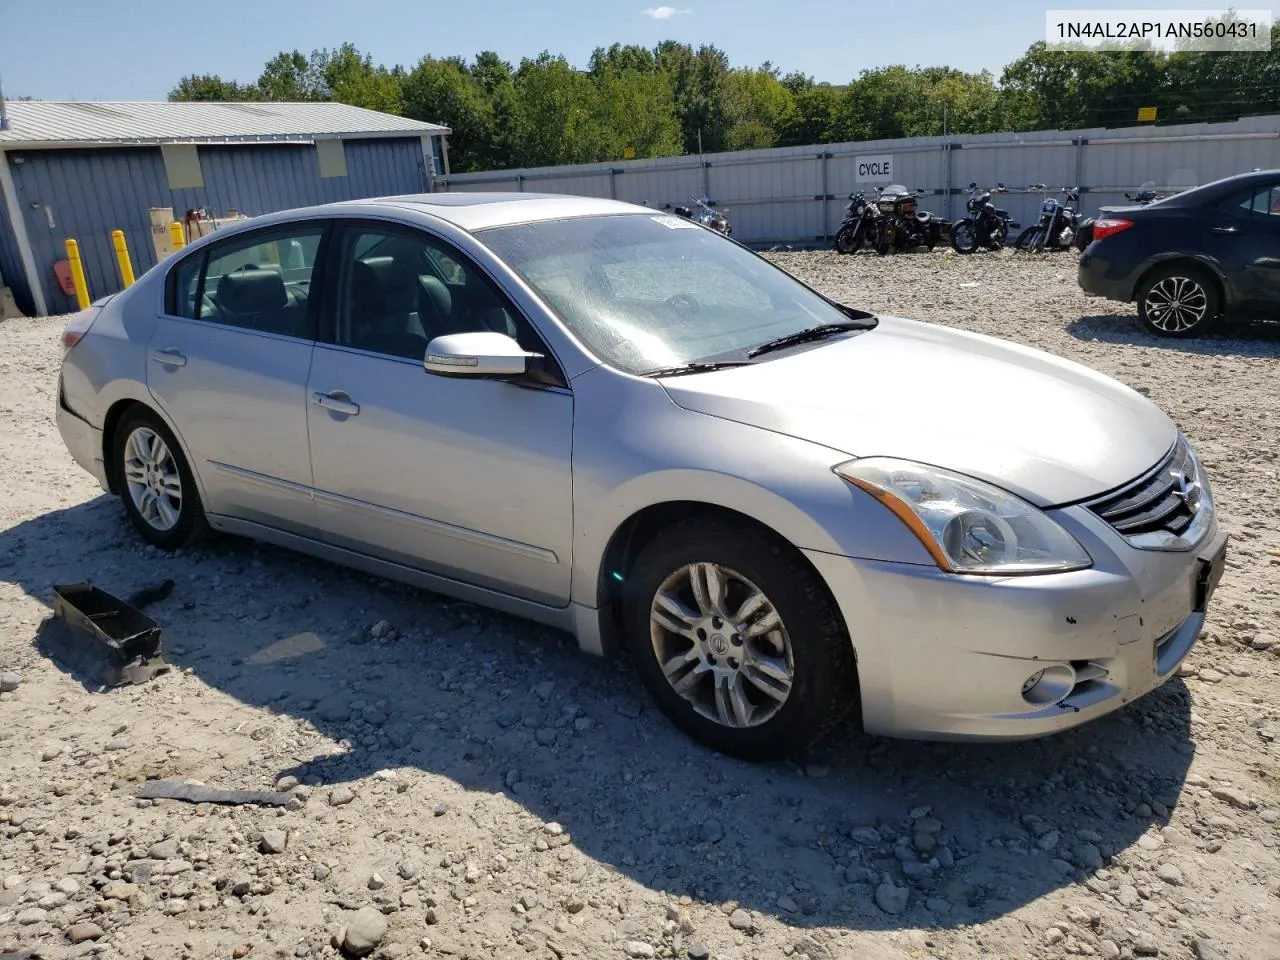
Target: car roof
1215 190
478 211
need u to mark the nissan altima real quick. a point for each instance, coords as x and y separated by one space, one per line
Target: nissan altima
625 425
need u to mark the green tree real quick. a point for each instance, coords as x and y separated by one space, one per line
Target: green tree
1062 89
211 87
350 77
697 79
758 107
445 91
555 114
293 77
635 100
815 115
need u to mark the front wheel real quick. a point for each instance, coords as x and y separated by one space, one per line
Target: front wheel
737 640
1178 301
1029 240
849 239
964 237
155 482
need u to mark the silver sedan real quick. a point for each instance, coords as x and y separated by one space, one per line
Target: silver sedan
625 425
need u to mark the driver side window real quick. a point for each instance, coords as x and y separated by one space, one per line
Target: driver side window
398 289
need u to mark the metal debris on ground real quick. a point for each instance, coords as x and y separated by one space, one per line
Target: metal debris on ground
106 639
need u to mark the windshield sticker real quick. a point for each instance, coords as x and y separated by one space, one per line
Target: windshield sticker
675 223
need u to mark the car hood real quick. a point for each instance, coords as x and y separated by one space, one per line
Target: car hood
1047 429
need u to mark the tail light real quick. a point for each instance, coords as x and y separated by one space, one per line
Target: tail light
77 327
1108 225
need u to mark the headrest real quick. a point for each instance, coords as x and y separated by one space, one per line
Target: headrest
439 301
252 291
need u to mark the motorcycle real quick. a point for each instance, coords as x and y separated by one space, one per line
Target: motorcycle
702 212
1059 219
902 225
984 224
1146 195
859 226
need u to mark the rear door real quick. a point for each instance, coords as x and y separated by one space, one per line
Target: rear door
1244 235
229 363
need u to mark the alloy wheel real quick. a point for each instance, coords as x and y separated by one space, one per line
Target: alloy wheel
1176 304
151 475
722 645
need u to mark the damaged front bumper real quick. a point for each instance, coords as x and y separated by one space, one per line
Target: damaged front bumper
944 657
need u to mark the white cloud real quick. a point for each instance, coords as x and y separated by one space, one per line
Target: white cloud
665 13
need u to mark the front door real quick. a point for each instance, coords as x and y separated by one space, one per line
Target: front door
466 478
229 362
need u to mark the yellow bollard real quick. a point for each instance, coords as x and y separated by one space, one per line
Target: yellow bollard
122 257
77 274
176 235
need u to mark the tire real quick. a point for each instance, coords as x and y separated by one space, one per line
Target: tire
848 240
1028 240
1179 301
964 236
809 640
151 471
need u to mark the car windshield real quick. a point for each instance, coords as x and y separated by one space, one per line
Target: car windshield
646 292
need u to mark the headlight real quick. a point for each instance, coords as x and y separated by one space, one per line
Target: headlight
966 525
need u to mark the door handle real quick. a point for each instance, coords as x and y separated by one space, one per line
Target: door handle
169 358
337 401
1224 229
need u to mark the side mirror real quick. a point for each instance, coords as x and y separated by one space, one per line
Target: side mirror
478 354
999 184
973 185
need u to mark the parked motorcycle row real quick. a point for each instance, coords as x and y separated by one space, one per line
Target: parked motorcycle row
890 221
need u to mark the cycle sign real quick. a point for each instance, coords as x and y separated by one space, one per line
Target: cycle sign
878 167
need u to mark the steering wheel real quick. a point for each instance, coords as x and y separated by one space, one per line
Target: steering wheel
684 302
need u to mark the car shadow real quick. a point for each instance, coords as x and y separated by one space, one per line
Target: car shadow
1236 339
495 704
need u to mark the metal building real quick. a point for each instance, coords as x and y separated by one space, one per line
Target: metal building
798 194
83 169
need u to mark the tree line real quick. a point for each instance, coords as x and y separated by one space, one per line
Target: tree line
677 99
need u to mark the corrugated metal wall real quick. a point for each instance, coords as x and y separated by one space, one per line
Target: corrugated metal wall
88 193
798 194
10 266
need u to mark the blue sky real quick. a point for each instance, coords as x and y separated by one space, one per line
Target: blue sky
137 49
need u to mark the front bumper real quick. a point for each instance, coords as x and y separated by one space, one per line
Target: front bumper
83 440
945 657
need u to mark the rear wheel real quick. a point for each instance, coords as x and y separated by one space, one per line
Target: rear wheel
964 236
1178 301
155 482
736 639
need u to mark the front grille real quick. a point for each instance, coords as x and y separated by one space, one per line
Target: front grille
1166 499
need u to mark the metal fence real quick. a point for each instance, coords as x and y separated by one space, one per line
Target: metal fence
797 194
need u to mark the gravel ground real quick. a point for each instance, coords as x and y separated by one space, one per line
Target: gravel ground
468 785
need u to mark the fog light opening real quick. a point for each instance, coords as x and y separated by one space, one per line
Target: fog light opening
1051 685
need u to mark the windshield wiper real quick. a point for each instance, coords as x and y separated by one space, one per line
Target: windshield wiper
698 366
808 335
